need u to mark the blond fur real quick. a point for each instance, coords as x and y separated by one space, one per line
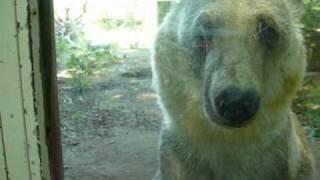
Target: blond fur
273 145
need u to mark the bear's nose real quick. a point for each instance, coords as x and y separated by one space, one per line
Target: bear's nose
237 106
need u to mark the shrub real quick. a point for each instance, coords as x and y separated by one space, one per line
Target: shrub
76 54
311 19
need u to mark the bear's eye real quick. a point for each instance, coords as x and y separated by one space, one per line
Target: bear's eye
267 34
201 42
200 46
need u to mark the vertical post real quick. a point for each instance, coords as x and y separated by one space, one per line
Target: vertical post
17 104
20 157
28 93
48 70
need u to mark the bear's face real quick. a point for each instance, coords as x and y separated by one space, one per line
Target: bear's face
245 57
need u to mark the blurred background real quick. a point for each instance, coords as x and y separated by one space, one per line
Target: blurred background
109 117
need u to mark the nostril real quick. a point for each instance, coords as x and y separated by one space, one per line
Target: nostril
237 106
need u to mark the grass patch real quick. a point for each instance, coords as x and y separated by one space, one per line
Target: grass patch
307 107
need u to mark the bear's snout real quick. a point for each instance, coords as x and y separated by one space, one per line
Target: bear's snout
236 106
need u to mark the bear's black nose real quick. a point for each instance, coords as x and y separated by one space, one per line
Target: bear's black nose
237 106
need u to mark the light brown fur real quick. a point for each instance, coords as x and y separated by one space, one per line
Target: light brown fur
192 147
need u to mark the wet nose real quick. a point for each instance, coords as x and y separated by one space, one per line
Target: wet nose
237 106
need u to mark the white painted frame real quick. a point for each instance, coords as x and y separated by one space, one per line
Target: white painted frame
23 150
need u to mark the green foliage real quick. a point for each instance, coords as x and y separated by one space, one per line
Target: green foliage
313 112
112 23
311 19
77 55
307 105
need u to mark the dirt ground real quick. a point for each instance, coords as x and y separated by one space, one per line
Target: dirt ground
110 129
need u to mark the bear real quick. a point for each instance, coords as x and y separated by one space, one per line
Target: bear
226 72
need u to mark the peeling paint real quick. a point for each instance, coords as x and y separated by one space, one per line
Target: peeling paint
35 132
27 158
3 153
34 12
